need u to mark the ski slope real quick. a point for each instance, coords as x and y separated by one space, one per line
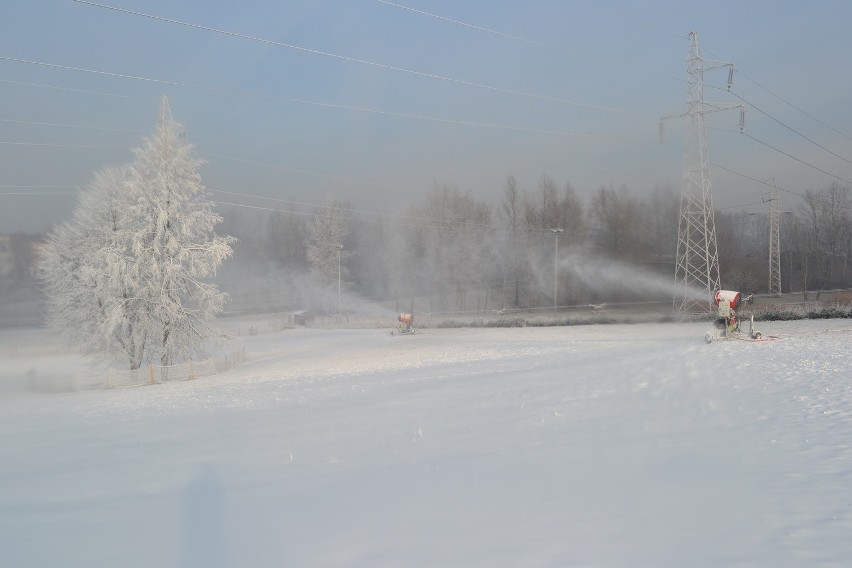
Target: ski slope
619 445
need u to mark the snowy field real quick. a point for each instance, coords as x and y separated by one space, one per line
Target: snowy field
621 445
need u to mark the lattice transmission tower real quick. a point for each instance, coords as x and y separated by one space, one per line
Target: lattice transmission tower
697 261
774 243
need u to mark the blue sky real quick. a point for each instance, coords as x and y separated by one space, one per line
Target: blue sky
623 62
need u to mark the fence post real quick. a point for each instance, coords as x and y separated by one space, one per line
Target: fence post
151 366
189 363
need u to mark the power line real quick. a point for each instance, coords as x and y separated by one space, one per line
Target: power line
54 124
741 205
797 159
782 99
791 129
52 145
784 153
790 191
467 224
429 224
633 19
298 171
785 101
37 186
613 173
511 36
240 92
360 61
239 160
465 24
37 194
84 91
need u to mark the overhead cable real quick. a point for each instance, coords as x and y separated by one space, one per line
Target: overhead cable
239 92
360 61
792 157
511 36
785 101
791 129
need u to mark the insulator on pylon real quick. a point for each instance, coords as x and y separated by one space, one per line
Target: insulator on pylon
742 118
730 77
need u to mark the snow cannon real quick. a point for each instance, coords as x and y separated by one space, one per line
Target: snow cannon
727 302
404 323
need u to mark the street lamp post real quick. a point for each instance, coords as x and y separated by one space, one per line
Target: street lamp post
556 233
339 251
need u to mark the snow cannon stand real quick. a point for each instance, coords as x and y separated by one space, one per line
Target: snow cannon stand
727 322
404 324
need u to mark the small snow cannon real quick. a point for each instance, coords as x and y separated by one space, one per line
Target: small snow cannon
404 324
727 322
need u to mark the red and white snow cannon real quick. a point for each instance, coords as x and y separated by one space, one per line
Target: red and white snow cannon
404 324
727 302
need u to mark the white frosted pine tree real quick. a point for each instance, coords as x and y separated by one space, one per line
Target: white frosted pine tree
84 270
130 273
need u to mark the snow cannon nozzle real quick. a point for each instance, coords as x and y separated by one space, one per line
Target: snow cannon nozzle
727 298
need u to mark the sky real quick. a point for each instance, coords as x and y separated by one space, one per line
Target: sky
375 103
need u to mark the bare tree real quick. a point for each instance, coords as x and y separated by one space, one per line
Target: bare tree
325 241
513 244
454 243
827 216
616 216
660 217
284 239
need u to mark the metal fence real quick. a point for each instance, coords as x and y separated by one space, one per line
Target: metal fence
156 374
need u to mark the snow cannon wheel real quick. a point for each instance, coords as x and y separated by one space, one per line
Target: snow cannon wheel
708 337
756 335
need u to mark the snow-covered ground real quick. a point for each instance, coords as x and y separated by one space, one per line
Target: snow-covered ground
621 445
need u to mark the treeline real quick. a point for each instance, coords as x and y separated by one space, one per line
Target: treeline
454 252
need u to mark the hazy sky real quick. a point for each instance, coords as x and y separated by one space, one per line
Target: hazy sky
459 93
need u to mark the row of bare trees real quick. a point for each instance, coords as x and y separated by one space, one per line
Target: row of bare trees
815 247
452 251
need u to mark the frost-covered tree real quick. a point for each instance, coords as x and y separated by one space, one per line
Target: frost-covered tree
83 268
325 240
129 274
512 249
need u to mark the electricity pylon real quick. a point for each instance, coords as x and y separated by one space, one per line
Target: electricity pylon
697 261
774 243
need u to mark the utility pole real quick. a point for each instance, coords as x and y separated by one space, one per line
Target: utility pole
774 243
339 251
697 261
556 233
